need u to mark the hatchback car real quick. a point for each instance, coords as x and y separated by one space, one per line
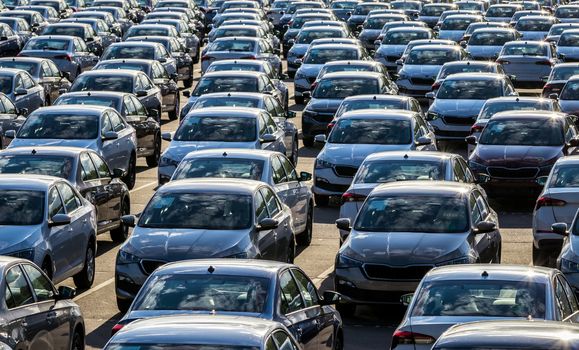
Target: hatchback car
528 61
20 87
404 229
203 218
45 220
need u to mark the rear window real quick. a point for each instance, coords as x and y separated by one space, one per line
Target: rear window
47 44
525 50
399 170
565 176
238 168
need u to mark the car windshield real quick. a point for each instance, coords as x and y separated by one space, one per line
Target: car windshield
120 65
565 176
220 167
72 31
60 126
6 84
403 38
570 91
103 83
226 102
308 36
567 12
491 109
456 23
47 44
470 89
381 171
533 25
523 132
431 57
30 67
378 22
564 73
568 39
21 208
208 85
370 104
148 31
371 131
59 166
492 298
414 213
233 46
346 68
132 51
470 6
466 68
207 211
218 129
137 346
87 100
524 50
339 88
340 5
433 11
491 38
365 9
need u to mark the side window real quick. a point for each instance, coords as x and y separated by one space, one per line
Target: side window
273 206
18 291
290 294
284 342
106 124
418 131
260 208
70 201
138 84
290 171
482 205
156 72
568 131
101 167
139 106
458 171
570 294
269 106
270 344
117 122
88 169
76 45
307 288
54 70
162 71
279 175
129 106
278 108
55 205
469 177
27 81
262 125
8 105
41 285
45 70
147 85
18 84
562 301
474 210
271 125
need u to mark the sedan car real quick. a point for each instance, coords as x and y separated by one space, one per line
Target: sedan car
394 42
453 27
486 44
45 220
535 27
430 12
529 61
357 102
502 12
457 67
203 218
11 43
103 30
557 29
372 27
560 73
358 134
453 295
19 86
81 30
141 50
30 298
98 128
19 26
425 224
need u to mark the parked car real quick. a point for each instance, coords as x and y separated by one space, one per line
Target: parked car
11 43
558 77
502 12
528 61
557 29
103 30
357 102
11 118
392 46
486 44
81 30
569 96
141 50
457 67
19 86
453 27
19 26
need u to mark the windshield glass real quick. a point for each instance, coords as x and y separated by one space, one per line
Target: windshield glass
403 38
466 68
306 37
222 33
56 126
220 167
47 44
87 100
567 12
523 132
233 46
6 85
492 298
491 109
370 104
570 91
30 67
491 38
363 10
209 211
339 88
341 5
399 170
114 52
137 346
21 208
457 23
59 166
371 131
226 102
470 89
222 129
568 39
321 56
533 25
564 73
148 31
225 84
414 213
378 22
433 11
103 83
72 31
469 6
432 57
524 50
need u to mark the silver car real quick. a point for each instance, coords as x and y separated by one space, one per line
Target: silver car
567 45
394 43
557 29
430 13
21 88
453 27
486 44
528 61
502 12
535 27
358 134
372 27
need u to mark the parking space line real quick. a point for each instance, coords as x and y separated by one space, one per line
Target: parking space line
143 187
94 289
322 277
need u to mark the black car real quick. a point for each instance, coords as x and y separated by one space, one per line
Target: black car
145 123
81 30
10 42
11 118
19 26
33 18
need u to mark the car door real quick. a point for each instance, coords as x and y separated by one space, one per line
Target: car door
493 237
125 139
265 239
23 100
110 191
79 225
48 82
297 195
35 92
163 81
94 191
480 241
58 236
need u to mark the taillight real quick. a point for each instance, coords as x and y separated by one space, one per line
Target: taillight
544 63
436 85
476 128
352 197
501 61
290 22
409 338
313 86
330 126
117 328
546 201
63 57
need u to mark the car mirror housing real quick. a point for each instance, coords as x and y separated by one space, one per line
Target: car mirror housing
423 141
110 135
406 299
267 138
471 140
59 220
430 95
305 176
331 298
344 224
307 94
166 136
118 173
560 228
141 93
320 138
10 134
485 227
541 180
267 224
20 92
65 293
129 220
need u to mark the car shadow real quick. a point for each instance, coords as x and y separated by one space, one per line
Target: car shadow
104 246
99 337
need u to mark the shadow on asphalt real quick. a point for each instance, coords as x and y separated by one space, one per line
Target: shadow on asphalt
98 337
103 246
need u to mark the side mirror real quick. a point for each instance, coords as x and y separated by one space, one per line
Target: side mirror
485 227
10 134
65 293
463 44
187 93
545 78
561 56
65 75
291 114
307 94
344 224
110 135
20 92
205 41
129 220
141 93
162 60
89 39
166 136
482 179
541 180
423 141
299 61
399 62
320 138
62 91
153 113
59 220
267 224
22 111
331 298
406 299
291 41
118 173
305 176
471 140
3 38
267 138
283 76
553 96
560 228
513 77
430 95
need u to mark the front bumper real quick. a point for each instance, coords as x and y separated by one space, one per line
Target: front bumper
129 278
327 183
407 88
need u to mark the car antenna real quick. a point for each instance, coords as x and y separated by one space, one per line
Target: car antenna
33 151
224 154
374 97
485 274
517 99
211 269
406 156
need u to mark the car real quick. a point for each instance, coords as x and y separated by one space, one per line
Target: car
145 123
18 26
511 334
356 66
361 11
84 31
558 77
421 66
11 42
457 67
19 86
60 227
33 18
426 224
372 28
394 42
11 118
70 54
556 30
329 93
30 295
297 23
482 25
44 72
453 27
449 13
114 26
214 218
470 5
568 98
86 171
535 27
377 102
567 13
430 13
392 166
128 81
566 45
529 61
358 134
546 136
118 14
399 24
458 101
413 43
12 4
208 331
59 5
269 281
186 36
343 8
448 295
523 13
486 44
267 166
240 30
98 128
294 6
141 50
502 12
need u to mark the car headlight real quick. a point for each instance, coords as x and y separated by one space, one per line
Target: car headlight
458 261
125 257
23 254
166 161
345 262
323 164
242 255
569 266
432 116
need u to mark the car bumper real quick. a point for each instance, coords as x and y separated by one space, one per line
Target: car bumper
327 183
444 131
165 173
406 88
128 280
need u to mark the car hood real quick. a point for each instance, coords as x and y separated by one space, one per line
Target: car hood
466 108
178 149
182 244
515 156
324 105
455 35
406 248
91 144
310 70
15 238
428 71
489 50
349 154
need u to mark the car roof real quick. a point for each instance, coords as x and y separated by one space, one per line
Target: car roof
409 29
527 42
334 46
438 188
68 24
322 27
109 72
238 112
400 114
495 30
490 272
129 61
213 185
234 38
378 97
149 37
248 95
351 62
503 99
566 64
476 76
572 159
436 47
231 73
27 182
506 115
10 71
412 155
240 62
115 94
58 37
243 267
570 31
135 43
341 75
537 17
231 153
470 63
45 150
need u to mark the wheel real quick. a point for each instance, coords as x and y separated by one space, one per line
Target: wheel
321 200
123 304
305 238
346 309
295 153
291 253
77 341
85 278
153 159
299 100
131 176
308 141
121 233
174 114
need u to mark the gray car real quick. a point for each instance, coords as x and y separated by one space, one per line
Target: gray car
456 67
556 30
19 86
114 26
502 12
430 13
394 43
31 300
80 30
48 222
567 45
361 11
486 44
203 218
20 27
372 28
568 98
535 27
11 118
353 103
425 224
358 134
528 61
453 27
567 13
483 25
100 27
142 50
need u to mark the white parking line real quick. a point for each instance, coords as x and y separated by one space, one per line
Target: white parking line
143 187
322 277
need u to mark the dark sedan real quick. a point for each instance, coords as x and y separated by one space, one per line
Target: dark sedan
264 289
11 118
10 43
19 86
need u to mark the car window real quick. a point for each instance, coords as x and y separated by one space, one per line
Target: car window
139 106
475 211
71 203
88 169
279 175
570 294
18 83
270 344
270 123
291 299
9 107
482 205
129 106
273 206
106 124
54 70
260 208
27 81
458 171
55 205
45 70
18 291
77 46
262 125
290 171
269 106
101 166
563 304
306 287
117 123
278 108
145 82
284 342
41 285
469 177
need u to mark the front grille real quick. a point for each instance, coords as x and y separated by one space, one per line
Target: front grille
372 296
385 272
323 117
520 173
332 187
422 81
460 120
345 171
149 266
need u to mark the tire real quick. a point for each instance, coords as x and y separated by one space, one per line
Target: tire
121 233
321 200
131 176
339 343
153 160
85 278
308 141
174 114
77 342
346 309
497 258
299 100
123 305
304 239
